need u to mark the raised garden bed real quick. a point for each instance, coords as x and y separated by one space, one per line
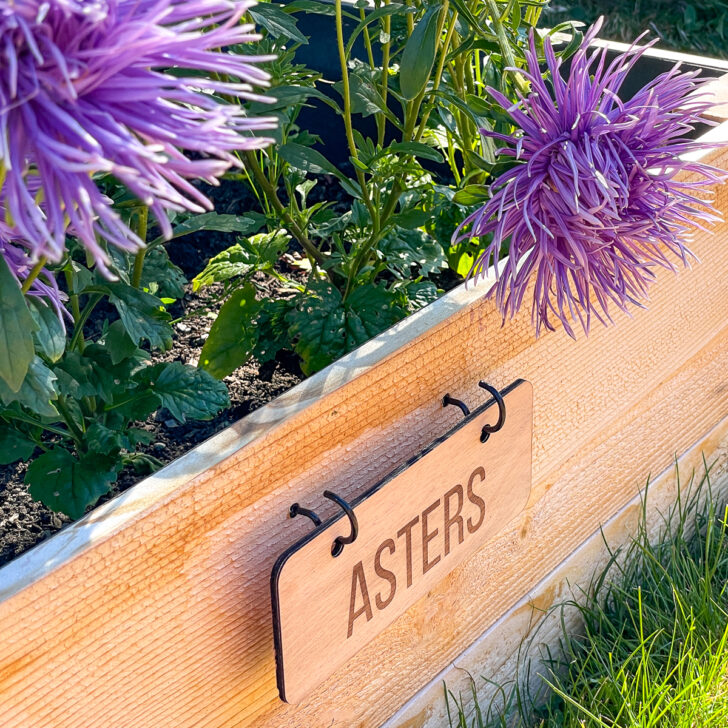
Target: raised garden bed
154 609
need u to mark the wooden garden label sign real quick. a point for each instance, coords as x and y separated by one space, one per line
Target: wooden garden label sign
414 528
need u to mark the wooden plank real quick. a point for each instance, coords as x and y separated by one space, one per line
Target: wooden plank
414 528
532 627
717 93
164 591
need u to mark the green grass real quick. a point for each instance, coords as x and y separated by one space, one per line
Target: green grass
654 651
689 26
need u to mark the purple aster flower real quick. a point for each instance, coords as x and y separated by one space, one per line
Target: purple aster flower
124 88
597 198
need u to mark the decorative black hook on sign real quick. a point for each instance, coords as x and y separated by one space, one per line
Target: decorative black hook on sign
488 430
447 400
339 541
298 510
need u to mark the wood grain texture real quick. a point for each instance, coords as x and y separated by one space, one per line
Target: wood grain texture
533 626
413 529
154 611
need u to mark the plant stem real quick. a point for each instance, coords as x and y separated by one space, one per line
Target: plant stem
30 421
348 125
141 230
75 431
311 250
438 75
34 273
81 322
504 44
367 39
386 47
75 308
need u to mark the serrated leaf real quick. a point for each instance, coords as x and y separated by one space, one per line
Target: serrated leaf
50 335
14 445
185 391
66 484
161 276
419 53
259 252
16 331
272 328
233 334
37 391
325 327
421 294
402 249
101 439
276 22
142 315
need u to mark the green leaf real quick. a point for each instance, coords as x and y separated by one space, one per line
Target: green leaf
416 149
472 195
50 336
118 343
101 439
185 391
285 97
69 485
245 224
374 15
421 294
412 218
272 328
37 391
325 327
259 252
142 315
364 94
418 56
233 334
16 331
402 249
160 276
306 159
276 22
14 445
311 6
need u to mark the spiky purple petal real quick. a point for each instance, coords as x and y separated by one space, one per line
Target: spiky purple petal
85 90
598 198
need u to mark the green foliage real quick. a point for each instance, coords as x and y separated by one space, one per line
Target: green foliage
233 335
653 652
324 326
82 392
16 331
419 71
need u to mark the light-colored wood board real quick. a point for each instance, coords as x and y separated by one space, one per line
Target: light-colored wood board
413 529
533 626
174 605
716 92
